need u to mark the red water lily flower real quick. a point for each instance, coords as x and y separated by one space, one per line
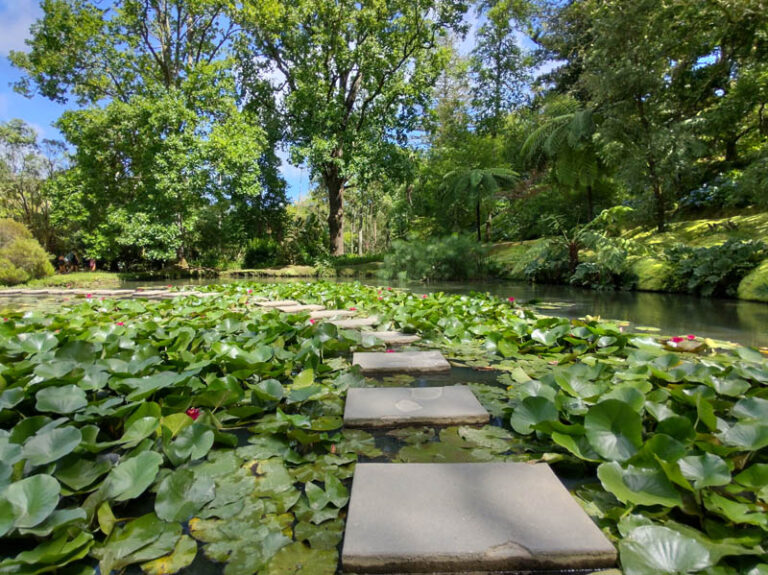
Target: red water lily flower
250 291
193 412
510 299
353 309
312 321
389 289
390 351
690 336
676 339
88 296
380 298
120 323
424 296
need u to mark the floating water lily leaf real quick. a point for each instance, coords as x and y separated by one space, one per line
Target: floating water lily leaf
138 541
28 502
748 513
755 476
78 472
337 493
11 397
638 485
138 430
496 439
57 519
269 390
751 408
705 470
296 559
655 550
182 556
55 553
63 399
749 436
52 445
182 494
324 536
531 411
577 445
614 429
193 442
132 477
316 497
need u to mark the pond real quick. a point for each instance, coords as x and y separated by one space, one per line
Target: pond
732 320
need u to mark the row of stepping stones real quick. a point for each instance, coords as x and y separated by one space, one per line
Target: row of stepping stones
449 517
111 293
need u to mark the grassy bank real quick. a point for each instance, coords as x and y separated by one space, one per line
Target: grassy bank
646 261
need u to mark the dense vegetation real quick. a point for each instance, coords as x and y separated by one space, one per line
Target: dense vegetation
412 121
156 434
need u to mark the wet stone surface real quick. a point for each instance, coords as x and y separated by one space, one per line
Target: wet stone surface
401 362
394 337
454 517
381 407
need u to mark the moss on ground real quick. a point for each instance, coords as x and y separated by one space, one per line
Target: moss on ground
107 280
755 285
651 273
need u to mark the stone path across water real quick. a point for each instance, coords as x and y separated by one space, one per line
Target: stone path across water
375 362
458 517
401 406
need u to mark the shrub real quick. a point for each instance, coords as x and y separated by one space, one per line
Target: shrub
447 258
547 262
28 255
260 253
11 229
716 270
10 275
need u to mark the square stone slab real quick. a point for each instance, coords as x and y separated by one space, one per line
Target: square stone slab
355 323
373 362
394 337
398 406
328 313
454 517
300 308
278 303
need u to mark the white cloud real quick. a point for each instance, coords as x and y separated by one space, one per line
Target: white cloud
17 17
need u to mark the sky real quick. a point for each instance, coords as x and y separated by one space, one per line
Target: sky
18 15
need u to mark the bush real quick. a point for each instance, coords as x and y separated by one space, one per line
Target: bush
28 255
260 253
11 229
447 258
546 262
715 270
10 275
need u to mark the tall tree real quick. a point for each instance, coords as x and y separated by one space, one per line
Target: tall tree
351 74
163 134
500 68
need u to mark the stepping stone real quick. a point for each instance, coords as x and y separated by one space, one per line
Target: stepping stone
329 313
300 308
394 337
478 517
373 362
355 323
401 406
278 303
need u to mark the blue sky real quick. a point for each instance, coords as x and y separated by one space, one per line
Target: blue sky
18 15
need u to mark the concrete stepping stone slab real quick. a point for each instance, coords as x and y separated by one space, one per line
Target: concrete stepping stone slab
394 337
331 313
355 323
300 308
277 303
400 406
478 517
373 362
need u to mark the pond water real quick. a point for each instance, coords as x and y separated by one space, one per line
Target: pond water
733 320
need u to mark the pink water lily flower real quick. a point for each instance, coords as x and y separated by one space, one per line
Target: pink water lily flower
88 296
390 351
353 309
424 296
312 321
690 337
389 289
676 339
380 298
193 412
510 299
120 323
250 291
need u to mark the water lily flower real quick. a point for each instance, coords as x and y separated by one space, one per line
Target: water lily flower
389 289
120 323
250 291
390 351
353 309
424 296
333 448
169 285
88 296
193 412
690 337
676 339
380 298
510 299
312 321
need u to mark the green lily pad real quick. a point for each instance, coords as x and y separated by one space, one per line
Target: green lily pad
653 549
64 399
132 477
52 445
531 411
638 485
614 429
28 502
182 556
705 470
182 494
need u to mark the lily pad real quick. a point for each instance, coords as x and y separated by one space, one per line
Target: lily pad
614 429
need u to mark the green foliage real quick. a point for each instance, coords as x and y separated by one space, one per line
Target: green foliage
10 275
754 286
261 253
11 230
447 258
21 257
716 270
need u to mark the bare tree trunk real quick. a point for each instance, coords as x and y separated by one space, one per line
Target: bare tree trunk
334 183
360 234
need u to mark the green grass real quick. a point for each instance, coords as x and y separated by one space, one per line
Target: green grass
755 285
78 280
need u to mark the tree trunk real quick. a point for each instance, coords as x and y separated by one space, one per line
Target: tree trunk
488 224
360 235
477 221
334 183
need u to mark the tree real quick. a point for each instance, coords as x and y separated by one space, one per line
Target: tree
565 137
163 134
500 69
351 75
